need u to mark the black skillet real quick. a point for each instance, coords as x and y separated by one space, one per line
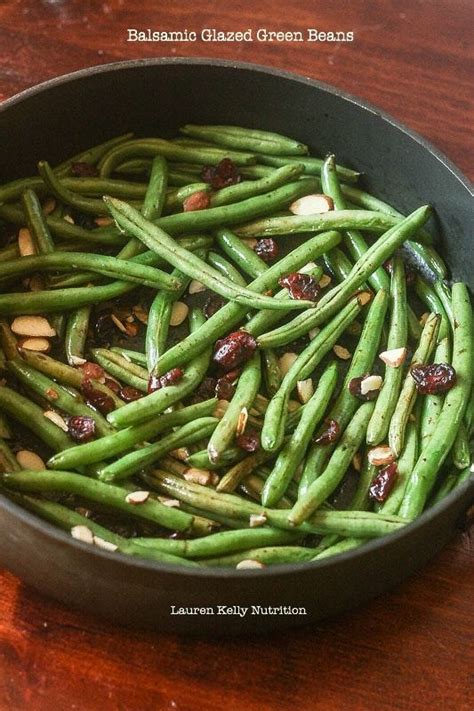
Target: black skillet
154 97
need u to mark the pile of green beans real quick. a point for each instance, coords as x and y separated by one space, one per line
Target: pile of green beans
120 424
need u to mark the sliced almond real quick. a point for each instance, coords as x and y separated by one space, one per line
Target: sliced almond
204 477
41 345
293 405
257 520
172 503
30 460
364 297
249 564
26 245
56 419
395 357
48 206
242 422
380 456
286 361
35 326
251 242
68 218
105 545
182 454
424 318
307 268
103 221
118 323
82 533
140 313
370 383
76 360
178 313
325 281
313 333
341 352
314 204
195 287
357 461
305 390
137 497
36 283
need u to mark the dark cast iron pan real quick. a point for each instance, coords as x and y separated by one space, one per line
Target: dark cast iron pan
154 97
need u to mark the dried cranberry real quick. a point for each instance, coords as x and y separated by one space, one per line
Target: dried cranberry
199 200
84 170
355 389
330 434
104 329
267 249
383 482
112 385
156 382
250 441
92 371
301 286
81 428
234 349
224 389
435 378
98 399
129 394
212 305
205 391
223 174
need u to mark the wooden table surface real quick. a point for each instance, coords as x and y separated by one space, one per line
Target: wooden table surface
412 648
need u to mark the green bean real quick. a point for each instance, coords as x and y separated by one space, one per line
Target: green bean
76 334
246 139
455 402
121 368
446 487
397 338
66 375
127 270
405 465
408 393
332 300
8 461
231 314
271 555
443 293
134 356
93 490
338 264
464 476
93 155
251 172
220 543
360 523
312 166
167 248
5 431
150 147
342 456
461 451
245 393
289 225
251 188
8 340
135 461
201 459
346 403
58 396
272 375
245 257
294 451
354 241
275 416
348 544
31 416
360 501
36 222
119 442
226 268
156 402
156 191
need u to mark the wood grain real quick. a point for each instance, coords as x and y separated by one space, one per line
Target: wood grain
411 649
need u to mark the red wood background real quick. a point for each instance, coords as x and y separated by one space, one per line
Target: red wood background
412 648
